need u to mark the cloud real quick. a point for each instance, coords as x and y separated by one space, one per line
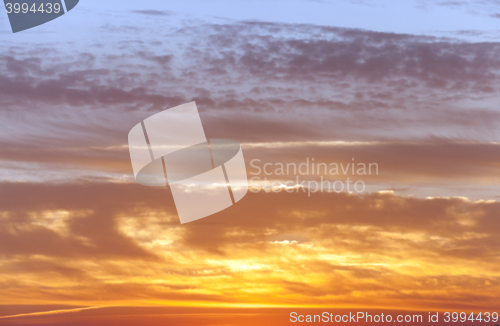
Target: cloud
257 83
452 3
381 245
153 12
355 80
92 230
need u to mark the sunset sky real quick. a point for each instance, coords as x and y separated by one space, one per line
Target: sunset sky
412 86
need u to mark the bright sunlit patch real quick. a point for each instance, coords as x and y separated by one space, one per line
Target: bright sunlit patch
151 229
55 220
285 242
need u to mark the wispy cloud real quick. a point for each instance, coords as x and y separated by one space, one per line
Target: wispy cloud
153 12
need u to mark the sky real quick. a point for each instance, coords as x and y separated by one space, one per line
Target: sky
411 86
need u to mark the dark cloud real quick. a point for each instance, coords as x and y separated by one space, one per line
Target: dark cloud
153 12
452 3
272 75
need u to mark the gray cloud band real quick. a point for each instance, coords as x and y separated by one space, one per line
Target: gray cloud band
205 176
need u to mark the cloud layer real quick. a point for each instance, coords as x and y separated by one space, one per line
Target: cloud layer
75 229
58 242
